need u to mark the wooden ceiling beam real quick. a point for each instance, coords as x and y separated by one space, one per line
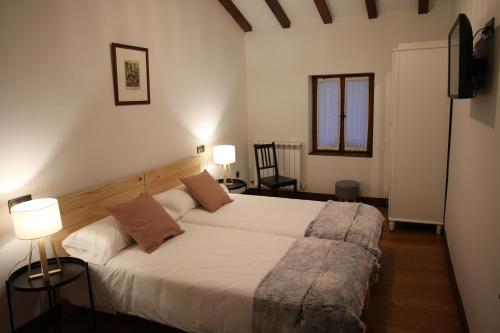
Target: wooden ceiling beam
423 6
324 11
236 14
278 11
371 9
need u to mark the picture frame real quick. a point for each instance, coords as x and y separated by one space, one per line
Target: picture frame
130 66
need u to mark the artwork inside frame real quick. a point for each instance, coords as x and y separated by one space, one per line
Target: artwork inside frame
130 65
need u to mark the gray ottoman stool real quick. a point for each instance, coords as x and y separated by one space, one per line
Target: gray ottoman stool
347 190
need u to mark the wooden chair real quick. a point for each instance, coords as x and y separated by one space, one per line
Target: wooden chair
265 159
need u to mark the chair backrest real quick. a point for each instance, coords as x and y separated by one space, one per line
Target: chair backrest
265 158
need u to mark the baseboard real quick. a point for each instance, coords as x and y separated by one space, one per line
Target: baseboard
456 291
378 202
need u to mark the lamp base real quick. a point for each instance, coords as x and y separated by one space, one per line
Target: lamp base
40 275
227 170
44 267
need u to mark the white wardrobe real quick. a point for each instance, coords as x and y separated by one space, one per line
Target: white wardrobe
420 118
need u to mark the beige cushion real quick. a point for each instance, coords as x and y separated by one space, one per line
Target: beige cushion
205 189
146 221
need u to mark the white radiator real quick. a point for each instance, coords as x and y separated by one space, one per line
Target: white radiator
289 161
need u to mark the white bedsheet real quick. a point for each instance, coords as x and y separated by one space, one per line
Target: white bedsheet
280 216
200 281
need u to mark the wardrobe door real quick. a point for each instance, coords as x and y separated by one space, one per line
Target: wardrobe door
419 135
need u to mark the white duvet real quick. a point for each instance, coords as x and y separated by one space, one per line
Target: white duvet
280 216
201 281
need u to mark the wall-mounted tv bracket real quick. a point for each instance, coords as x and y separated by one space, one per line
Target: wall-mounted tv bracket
480 64
488 29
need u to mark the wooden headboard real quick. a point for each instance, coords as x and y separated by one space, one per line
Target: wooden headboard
166 177
82 208
88 206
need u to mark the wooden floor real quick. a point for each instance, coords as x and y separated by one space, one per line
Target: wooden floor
414 292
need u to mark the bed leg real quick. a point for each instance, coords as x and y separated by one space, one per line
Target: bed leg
392 225
439 228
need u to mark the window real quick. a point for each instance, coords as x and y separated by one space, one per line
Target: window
343 114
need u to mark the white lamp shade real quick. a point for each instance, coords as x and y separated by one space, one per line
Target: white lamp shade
224 154
36 218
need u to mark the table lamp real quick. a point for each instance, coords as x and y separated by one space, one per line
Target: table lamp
224 155
37 219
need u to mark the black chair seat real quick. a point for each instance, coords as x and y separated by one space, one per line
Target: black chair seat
272 181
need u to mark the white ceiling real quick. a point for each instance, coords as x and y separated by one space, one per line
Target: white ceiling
302 12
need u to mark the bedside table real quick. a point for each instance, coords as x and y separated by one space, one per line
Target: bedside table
234 183
72 269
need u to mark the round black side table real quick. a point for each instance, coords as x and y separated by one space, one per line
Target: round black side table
72 269
233 183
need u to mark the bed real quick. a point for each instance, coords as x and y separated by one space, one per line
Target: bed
218 279
209 279
356 223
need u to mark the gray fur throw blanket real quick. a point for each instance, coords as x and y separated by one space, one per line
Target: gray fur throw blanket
318 286
350 222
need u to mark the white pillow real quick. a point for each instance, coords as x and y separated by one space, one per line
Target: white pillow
97 242
177 200
100 241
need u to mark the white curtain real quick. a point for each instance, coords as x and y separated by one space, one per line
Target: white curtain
328 111
356 112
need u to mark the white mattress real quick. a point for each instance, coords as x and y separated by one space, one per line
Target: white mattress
200 281
280 216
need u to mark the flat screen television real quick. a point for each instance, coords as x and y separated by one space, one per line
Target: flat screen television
460 59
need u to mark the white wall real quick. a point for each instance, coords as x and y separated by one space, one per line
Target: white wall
473 211
279 62
59 128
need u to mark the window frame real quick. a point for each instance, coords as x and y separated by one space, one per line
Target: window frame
341 151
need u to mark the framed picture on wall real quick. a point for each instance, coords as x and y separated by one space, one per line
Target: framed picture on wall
130 66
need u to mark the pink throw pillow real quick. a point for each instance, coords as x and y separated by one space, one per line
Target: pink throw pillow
205 189
146 221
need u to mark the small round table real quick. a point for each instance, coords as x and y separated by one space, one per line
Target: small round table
71 270
233 183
